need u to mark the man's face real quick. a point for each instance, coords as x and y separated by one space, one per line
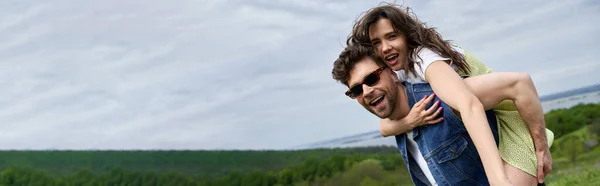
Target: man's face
379 98
388 44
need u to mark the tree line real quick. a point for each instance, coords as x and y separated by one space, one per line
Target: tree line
310 171
337 166
214 163
567 120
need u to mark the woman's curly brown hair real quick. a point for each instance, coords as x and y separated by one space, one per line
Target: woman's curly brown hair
417 34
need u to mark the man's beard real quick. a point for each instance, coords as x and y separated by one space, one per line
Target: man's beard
391 100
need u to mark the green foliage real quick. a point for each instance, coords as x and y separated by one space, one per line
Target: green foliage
382 166
574 147
369 171
564 121
89 169
188 162
580 168
369 182
570 145
586 177
594 129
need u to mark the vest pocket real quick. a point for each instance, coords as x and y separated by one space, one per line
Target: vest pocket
451 150
455 164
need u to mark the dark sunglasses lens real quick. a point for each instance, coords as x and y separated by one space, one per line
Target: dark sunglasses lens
371 79
356 91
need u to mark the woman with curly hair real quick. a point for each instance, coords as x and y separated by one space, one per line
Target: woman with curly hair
419 54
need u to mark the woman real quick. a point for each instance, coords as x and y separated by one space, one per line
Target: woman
419 54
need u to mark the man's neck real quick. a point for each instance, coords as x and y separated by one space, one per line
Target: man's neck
402 107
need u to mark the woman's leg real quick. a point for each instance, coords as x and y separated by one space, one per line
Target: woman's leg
519 177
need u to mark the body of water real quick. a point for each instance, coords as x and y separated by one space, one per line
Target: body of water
564 99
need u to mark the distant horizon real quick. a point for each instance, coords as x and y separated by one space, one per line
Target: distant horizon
548 98
596 88
580 90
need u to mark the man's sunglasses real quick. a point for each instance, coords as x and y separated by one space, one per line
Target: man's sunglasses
369 80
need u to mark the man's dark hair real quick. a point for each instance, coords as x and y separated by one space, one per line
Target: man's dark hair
351 55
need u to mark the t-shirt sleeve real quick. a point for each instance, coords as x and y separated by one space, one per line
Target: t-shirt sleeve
401 75
426 58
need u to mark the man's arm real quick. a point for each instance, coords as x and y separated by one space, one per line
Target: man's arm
493 88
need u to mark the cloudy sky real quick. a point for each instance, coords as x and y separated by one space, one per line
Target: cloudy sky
251 74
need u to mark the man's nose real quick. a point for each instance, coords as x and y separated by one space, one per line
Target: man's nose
367 90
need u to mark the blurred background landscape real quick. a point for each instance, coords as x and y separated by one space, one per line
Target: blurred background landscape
239 92
364 159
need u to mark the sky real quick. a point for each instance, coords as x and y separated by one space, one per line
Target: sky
233 74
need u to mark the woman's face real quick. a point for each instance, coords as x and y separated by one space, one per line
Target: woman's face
389 45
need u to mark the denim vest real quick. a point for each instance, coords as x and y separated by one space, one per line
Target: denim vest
446 146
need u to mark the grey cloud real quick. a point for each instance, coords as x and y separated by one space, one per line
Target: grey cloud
236 74
528 36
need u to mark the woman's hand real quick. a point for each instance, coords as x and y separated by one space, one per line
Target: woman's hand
418 116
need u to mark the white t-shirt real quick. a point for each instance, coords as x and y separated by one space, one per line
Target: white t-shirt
427 57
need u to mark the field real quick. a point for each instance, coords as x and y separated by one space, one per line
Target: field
574 163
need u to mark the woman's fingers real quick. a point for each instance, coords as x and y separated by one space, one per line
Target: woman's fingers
433 108
431 119
424 101
435 121
429 98
420 102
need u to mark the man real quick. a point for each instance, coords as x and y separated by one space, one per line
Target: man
447 147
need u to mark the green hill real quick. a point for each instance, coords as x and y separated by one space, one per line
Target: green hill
194 167
189 162
573 163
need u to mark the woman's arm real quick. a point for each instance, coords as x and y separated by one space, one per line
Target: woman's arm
417 116
450 88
